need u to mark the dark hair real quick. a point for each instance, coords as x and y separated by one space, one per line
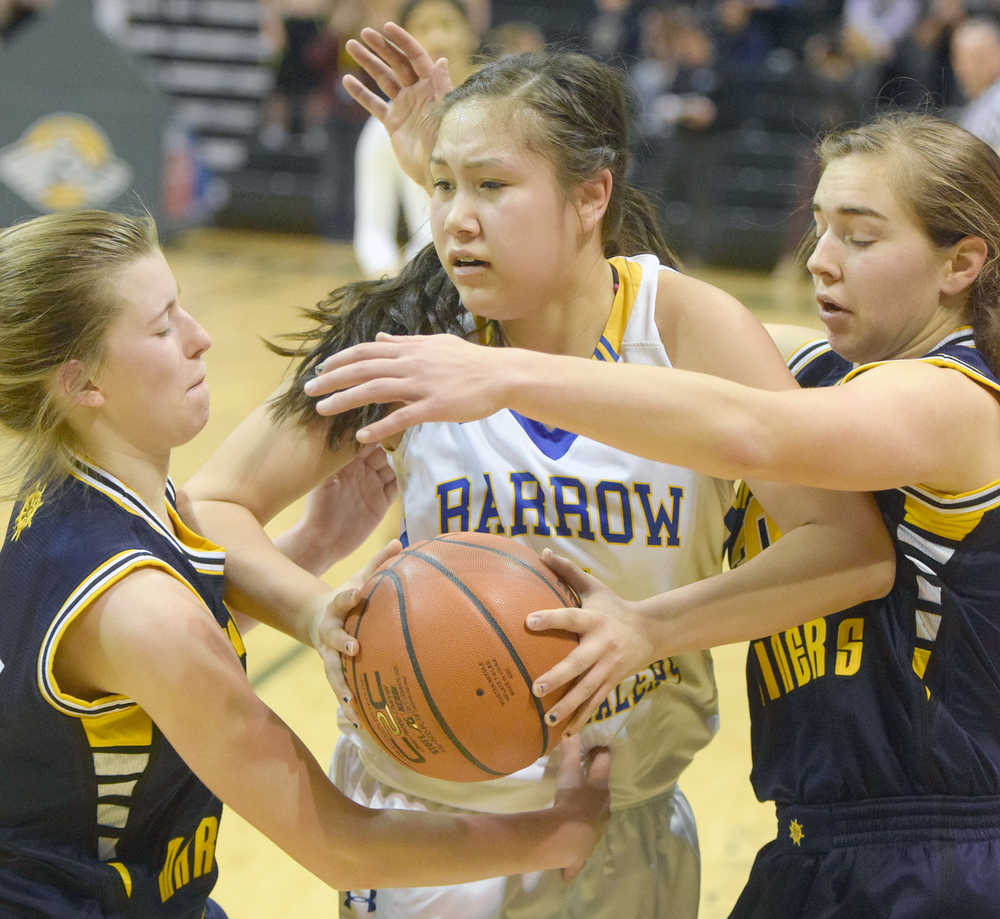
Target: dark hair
420 300
950 181
576 112
569 108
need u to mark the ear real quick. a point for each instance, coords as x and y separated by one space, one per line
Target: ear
591 198
76 386
965 262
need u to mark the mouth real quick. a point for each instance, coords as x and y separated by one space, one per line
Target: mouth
828 306
464 263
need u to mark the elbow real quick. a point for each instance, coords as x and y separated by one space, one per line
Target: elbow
745 450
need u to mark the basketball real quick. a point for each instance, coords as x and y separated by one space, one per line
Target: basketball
442 679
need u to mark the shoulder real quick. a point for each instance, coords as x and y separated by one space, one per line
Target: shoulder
708 330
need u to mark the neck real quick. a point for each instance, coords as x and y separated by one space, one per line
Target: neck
145 475
572 324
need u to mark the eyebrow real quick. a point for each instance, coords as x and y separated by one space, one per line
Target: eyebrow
853 210
486 161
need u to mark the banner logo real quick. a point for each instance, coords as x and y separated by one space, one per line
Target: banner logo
64 161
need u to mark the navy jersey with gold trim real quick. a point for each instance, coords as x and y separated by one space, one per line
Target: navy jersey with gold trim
899 696
99 816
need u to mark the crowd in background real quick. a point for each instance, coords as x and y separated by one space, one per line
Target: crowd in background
700 71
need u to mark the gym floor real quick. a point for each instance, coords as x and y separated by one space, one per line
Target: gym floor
247 286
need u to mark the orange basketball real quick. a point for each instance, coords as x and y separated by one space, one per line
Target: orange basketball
443 676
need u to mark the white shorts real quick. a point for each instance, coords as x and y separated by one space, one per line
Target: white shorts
646 865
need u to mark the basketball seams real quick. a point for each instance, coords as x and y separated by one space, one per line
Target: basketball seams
490 588
416 669
497 628
456 540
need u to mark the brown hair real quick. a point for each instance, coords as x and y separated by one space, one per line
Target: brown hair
950 181
56 303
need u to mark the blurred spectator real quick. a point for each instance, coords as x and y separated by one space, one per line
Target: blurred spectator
741 40
674 82
676 75
924 56
613 32
295 107
382 192
975 55
327 56
513 37
872 31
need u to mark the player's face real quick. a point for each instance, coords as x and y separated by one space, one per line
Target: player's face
504 229
152 377
876 273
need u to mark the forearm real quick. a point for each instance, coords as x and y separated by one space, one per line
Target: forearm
260 581
814 570
349 846
648 411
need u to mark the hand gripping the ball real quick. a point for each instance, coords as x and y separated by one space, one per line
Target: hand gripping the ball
326 630
613 645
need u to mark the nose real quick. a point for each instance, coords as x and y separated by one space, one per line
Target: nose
460 221
823 261
196 340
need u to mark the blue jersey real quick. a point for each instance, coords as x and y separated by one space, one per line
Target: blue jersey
99 816
897 697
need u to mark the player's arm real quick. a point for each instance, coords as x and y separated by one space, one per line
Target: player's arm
150 639
835 551
257 471
880 430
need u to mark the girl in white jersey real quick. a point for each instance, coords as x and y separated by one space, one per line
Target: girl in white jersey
876 733
533 223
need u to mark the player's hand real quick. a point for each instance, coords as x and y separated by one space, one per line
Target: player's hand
582 797
613 645
412 83
341 512
431 377
326 629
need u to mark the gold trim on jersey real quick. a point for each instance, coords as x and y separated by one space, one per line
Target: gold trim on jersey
948 514
205 556
126 877
797 361
629 279
79 600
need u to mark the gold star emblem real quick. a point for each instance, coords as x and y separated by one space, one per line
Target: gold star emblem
27 512
795 831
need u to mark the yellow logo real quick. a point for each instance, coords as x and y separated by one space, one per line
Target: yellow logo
795 831
64 161
27 512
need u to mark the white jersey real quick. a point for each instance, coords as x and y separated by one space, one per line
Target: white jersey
640 526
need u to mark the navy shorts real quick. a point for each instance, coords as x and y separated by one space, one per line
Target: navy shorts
894 858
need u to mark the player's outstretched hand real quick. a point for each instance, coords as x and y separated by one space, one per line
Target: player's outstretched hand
412 83
432 377
582 795
326 630
613 645
341 512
